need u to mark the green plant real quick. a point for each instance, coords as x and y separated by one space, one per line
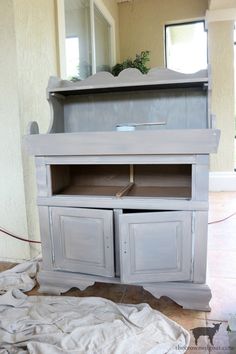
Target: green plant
139 63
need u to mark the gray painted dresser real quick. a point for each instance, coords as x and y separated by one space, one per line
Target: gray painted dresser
122 178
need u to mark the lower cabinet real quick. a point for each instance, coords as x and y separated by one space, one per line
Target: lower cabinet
153 246
83 240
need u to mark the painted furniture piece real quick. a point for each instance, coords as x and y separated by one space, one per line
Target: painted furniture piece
126 206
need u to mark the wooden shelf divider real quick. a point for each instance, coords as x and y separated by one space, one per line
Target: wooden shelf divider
124 190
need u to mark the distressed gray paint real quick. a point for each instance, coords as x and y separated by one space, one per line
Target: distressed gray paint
195 141
155 235
83 240
155 246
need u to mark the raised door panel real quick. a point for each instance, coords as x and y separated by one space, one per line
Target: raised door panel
83 240
155 246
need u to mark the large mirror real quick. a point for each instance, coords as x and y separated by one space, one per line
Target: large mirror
87 38
172 31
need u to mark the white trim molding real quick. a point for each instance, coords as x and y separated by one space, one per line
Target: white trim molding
221 15
222 181
106 13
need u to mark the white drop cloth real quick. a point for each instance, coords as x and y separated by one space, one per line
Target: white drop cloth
22 277
86 325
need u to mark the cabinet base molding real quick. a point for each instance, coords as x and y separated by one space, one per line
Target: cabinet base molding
188 295
58 282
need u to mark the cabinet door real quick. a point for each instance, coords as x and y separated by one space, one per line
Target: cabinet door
155 246
83 240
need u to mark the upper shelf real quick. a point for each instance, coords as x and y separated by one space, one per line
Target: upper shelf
163 142
128 80
84 122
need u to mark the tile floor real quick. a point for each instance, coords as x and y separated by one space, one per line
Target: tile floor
221 278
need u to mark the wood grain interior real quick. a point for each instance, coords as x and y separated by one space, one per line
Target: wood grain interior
160 192
60 178
91 190
99 175
168 181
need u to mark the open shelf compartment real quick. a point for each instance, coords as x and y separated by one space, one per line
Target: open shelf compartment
120 181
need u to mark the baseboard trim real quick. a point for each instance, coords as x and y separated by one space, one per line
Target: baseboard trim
12 260
222 181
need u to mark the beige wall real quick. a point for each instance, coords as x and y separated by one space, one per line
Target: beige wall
28 57
221 57
221 17
36 61
142 24
12 198
221 4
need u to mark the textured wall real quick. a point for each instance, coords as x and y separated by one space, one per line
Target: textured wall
221 57
36 61
28 57
219 4
12 199
142 24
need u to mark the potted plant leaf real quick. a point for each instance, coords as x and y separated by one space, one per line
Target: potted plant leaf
140 63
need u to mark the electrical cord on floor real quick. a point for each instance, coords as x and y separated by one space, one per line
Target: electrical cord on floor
18 237
33 241
226 218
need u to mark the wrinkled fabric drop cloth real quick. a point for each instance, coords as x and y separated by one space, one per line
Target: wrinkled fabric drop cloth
86 325
22 277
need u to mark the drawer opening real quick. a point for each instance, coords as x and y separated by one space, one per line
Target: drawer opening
121 181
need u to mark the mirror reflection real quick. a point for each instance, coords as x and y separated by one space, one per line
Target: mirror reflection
87 39
139 25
